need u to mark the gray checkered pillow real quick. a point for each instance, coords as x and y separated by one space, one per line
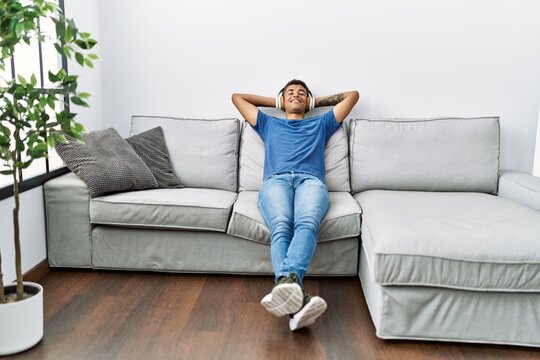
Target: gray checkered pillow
106 163
151 148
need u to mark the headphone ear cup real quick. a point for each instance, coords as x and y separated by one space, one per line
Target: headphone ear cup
279 101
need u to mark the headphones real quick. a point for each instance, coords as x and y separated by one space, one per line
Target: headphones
310 96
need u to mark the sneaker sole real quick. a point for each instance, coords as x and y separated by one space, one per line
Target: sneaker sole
307 316
284 299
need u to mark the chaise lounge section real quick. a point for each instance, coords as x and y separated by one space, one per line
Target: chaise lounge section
442 257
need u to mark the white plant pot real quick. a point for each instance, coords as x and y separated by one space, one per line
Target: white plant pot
21 322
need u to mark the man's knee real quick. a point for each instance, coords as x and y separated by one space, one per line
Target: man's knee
282 226
309 222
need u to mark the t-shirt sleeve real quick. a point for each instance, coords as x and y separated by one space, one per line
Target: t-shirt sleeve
330 123
260 126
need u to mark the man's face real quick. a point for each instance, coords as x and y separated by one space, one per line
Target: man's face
295 99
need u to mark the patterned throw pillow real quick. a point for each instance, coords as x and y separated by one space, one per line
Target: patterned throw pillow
151 148
106 163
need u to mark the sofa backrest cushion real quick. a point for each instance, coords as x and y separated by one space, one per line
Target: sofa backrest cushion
252 160
443 154
203 153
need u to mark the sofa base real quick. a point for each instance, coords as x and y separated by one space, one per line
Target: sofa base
441 314
197 251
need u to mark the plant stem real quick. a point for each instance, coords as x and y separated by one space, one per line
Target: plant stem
16 235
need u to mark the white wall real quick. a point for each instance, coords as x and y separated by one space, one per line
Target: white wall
536 168
32 232
86 16
415 58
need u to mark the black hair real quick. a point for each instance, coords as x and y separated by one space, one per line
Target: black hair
296 82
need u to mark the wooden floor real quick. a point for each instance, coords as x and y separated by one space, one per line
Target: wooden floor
124 315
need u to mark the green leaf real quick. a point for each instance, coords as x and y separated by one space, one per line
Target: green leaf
59 49
84 95
22 80
78 101
58 137
52 77
61 74
93 56
51 101
68 50
33 80
43 102
69 79
38 151
19 145
88 63
6 172
60 28
70 33
27 163
80 58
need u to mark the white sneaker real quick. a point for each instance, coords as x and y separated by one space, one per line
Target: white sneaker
284 299
315 307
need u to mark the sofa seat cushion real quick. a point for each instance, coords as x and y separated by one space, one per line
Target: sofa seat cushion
187 208
468 241
342 219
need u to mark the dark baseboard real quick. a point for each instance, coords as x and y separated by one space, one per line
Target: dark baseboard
38 272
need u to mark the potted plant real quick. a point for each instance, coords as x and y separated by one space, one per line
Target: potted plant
32 120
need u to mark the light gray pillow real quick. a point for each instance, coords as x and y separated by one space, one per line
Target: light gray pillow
151 148
203 153
442 154
106 163
336 161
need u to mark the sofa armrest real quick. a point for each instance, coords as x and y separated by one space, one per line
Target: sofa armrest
67 205
521 187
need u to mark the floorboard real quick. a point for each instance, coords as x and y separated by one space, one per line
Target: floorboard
141 315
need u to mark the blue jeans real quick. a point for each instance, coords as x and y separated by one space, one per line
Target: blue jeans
293 206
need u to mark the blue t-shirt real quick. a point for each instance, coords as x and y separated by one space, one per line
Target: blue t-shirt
295 145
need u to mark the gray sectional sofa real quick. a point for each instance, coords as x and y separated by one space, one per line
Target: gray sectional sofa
446 245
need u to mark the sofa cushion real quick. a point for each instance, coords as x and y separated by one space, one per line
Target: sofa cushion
204 153
341 221
336 160
151 147
106 163
187 208
468 241
446 154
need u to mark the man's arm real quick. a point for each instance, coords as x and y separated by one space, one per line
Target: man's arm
247 105
342 102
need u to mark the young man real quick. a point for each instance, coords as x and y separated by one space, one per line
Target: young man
293 198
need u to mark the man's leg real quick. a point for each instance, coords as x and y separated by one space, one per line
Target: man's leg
310 206
276 199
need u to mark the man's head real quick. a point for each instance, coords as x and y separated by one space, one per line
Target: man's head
295 96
